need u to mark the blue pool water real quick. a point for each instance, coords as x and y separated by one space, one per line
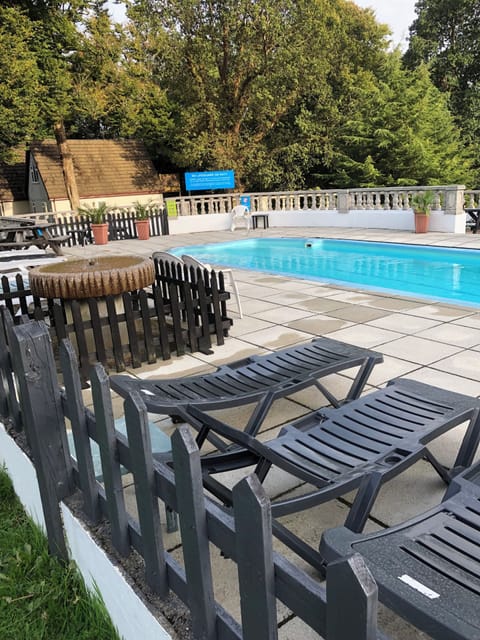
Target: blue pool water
443 274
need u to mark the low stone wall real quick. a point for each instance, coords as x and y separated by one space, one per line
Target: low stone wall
364 219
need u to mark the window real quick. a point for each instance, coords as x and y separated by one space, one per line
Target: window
34 175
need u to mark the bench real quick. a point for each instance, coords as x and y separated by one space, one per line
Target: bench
54 242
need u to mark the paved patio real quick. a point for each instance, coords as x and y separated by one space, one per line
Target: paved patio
422 340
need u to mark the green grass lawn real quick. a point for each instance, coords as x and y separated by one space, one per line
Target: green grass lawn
41 599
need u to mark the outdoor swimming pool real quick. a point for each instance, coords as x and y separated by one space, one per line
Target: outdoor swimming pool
443 274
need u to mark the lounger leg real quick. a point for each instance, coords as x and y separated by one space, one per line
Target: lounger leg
259 414
262 468
204 433
329 396
357 385
465 455
469 445
442 471
301 548
57 248
364 501
360 380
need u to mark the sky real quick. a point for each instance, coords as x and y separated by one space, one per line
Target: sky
398 14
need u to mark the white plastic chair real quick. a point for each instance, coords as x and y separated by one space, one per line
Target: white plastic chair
166 257
190 261
241 217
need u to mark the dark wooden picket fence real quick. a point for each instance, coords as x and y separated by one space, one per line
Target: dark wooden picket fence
343 610
182 311
121 226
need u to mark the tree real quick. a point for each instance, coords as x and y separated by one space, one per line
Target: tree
115 95
50 34
20 112
233 70
446 36
288 93
397 131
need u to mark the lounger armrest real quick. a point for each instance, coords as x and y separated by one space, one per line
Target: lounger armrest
337 543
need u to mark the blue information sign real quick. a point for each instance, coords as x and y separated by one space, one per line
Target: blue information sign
205 180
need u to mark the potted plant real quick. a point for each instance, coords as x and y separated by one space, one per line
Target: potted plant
422 205
96 214
142 221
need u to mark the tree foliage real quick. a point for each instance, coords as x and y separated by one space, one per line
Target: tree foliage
288 93
293 94
233 71
398 131
114 93
20 81
446 36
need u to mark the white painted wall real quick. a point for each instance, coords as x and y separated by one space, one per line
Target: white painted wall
189 224
127 611
364 219
23 475
9 208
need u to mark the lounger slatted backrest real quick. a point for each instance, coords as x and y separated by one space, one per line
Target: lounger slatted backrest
427 569
359 445
258 379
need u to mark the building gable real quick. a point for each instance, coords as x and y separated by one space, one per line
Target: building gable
103 168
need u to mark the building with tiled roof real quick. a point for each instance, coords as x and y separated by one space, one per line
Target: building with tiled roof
118 172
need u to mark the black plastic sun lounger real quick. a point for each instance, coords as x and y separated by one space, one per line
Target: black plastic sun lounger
359 445
427 569
258 379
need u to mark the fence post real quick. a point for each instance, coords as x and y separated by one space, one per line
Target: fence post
140 445
352 600
44 423
78 420
164 222
253 543
112 478
193 527
9 408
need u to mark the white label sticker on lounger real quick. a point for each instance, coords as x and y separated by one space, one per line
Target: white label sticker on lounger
418 586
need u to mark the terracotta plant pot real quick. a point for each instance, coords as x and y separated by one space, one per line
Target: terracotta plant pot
421 223
100 232
143 229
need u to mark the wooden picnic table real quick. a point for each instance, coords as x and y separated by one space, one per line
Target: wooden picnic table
22 233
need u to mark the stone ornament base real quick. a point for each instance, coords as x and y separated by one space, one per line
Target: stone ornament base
93 277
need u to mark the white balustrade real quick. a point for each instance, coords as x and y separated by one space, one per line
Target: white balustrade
448 198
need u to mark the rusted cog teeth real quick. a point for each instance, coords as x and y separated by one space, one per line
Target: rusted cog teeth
91 278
